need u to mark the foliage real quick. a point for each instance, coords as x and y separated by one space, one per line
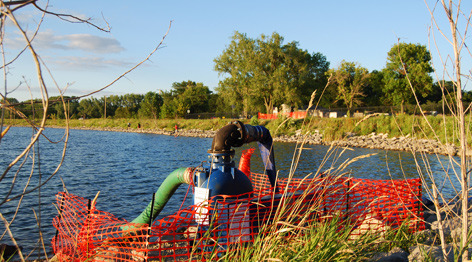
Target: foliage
407 63
374 95
151 105
185 97
8 101
57 109
124 106
284 126
349 79
254 121
265 71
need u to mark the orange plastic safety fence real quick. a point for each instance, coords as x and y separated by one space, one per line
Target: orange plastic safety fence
227 222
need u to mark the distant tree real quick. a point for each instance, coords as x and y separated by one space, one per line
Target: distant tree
405 59
88 108
99 105
113 103
374 95
215 104
33 108
57 108
131 102
184 96
179 88
265 71
440 90
467 97
9 101
306 74
349 79
124 106
195 98
151 105
168 107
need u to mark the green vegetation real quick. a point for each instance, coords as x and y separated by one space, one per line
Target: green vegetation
349 79
264 73
408 67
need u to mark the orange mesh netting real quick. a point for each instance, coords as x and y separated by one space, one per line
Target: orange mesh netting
87 234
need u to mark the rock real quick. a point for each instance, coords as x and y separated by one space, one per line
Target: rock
395 255
372 140
422 252
427 237
350 134
370 225
426 202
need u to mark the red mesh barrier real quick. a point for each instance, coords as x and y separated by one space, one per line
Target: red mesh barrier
226 222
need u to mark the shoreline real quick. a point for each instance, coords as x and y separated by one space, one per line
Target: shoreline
372 141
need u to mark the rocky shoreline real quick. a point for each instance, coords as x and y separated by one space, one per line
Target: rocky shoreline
371 141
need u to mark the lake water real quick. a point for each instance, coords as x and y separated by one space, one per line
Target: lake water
128 167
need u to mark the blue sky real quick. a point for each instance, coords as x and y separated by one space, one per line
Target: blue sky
357 31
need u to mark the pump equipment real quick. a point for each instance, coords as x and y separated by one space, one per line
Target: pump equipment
221 177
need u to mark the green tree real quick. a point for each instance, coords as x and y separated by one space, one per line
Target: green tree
131 102
184 96
88 108
407 63
195 98
265 71
151 105
168 107
5 109
467 97
349 79
374 95
57 107
442 90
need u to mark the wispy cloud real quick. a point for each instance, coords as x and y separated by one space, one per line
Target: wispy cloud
84 42
87 62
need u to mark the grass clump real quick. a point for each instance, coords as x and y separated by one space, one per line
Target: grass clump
327 240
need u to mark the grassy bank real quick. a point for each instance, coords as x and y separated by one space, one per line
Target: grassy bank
441 128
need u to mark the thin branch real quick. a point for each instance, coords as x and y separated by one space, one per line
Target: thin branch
74 19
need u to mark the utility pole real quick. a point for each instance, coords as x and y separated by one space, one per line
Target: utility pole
105 114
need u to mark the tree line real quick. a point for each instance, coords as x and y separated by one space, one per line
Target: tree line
261 74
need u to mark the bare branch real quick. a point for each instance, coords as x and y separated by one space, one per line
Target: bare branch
73 19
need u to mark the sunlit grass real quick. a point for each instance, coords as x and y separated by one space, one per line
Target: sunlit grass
327 240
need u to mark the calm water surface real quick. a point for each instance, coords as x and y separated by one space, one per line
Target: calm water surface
128 167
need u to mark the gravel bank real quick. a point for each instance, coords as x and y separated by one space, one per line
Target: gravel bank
372 141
